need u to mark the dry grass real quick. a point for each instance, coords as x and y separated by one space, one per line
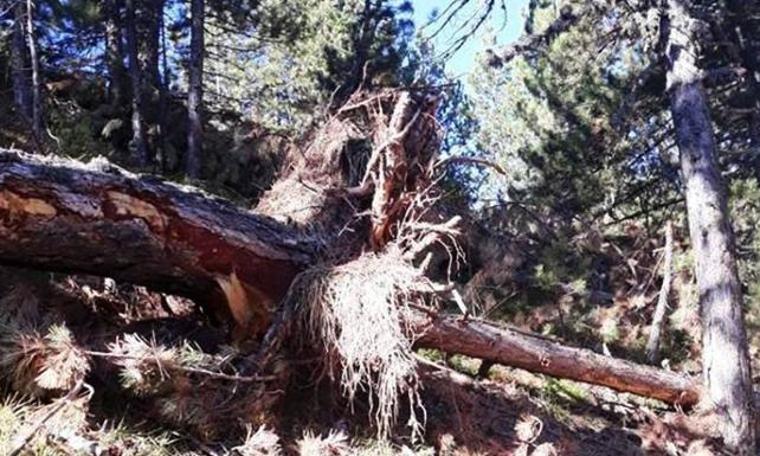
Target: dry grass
263 442
38 365
335 443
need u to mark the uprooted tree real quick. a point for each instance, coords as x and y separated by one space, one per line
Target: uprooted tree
345 252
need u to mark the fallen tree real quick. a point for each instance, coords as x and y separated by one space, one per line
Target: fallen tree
343 243
64 216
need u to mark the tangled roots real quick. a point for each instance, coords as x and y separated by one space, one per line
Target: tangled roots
355 311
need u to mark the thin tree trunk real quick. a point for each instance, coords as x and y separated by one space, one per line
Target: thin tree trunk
115 52
22 95
726 366
36 77
515 348
138 147
151 46
658 320
195 93
162 96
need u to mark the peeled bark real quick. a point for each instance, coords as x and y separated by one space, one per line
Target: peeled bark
195 93
726 366
63 216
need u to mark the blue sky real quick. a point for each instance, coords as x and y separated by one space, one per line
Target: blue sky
461 63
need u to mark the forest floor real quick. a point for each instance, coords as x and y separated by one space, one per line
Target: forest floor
510 412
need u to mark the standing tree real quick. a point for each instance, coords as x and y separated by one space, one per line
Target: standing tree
725 356
195 93
36 78
152 43
114 51
22 96
137 146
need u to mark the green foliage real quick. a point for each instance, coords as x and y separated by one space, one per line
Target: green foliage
279 78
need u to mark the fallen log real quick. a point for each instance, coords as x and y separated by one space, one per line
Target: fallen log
61 215
514 348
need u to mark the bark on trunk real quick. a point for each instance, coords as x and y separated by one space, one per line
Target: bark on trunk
195 93
658 319
61 215
22 91
726 364
36 77
115 52
138 145
534 353
64 216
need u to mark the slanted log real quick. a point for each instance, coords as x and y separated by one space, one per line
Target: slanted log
61 215
515 348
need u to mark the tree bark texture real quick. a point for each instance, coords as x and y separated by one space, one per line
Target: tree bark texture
726 366
515 348
61 215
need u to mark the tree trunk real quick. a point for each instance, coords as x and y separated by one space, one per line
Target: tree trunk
658 319
115 52
63 216
726 364
195 93
36 77
511 347
162 97
22 91
137 146
151 45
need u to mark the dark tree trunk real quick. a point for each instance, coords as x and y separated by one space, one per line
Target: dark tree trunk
726 364
37 114
117 74
137 146
152 41
195 94
22 90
